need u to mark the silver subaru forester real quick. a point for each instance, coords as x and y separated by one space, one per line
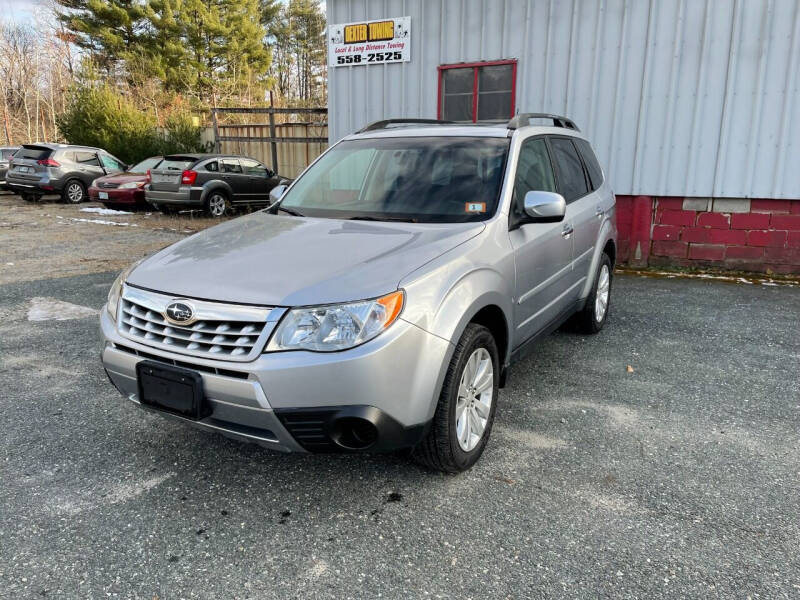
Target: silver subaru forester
380 301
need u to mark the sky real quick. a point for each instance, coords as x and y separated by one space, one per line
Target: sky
20 11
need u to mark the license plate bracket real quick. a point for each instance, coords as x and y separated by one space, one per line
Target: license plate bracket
171 389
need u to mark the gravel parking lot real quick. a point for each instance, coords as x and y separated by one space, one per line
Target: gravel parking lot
678 479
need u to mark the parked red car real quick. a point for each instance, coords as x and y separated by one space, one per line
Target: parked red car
124 190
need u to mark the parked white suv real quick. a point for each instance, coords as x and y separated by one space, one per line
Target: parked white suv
380 302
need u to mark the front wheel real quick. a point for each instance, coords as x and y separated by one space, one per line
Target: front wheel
594 314
467 404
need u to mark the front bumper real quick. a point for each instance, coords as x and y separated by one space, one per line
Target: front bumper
118 196
296 401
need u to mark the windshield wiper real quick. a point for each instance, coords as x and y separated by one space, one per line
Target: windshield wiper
294 213
397 219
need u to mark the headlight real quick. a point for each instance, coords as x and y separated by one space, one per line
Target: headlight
115 292
336 326
94 183
131 185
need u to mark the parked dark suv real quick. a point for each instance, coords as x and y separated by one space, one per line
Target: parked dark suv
39 169
214 182
6 152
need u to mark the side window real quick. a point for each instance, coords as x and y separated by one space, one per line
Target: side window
213 166
590 160
110 163
253 167
534 173
571 180
231 165
87 158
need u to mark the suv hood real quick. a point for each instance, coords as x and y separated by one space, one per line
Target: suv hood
274 260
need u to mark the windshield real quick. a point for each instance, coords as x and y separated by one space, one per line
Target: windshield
421 179
147 163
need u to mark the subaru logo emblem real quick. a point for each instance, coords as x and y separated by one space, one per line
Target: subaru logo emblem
179 312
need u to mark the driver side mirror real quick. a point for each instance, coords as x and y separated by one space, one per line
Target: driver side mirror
544 207
276 193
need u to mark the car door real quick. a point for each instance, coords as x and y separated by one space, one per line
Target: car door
260 180
88 166
542 251
231 173
596 206
573 185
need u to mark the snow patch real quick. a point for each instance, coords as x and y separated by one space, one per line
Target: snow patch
50 309
105 211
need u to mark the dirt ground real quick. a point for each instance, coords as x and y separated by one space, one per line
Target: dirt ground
52 239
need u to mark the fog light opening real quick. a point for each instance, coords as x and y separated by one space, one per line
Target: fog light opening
354 433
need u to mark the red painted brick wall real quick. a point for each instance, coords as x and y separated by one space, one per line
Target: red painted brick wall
671 231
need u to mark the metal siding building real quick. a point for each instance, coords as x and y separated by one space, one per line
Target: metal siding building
679 97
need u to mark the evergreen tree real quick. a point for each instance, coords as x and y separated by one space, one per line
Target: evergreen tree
106 29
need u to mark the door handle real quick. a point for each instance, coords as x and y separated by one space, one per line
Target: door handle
598 211
567 231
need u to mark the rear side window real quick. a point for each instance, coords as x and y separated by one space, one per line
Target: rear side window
571 180
33 152
230 165
590 160
176 163
213 166
87 158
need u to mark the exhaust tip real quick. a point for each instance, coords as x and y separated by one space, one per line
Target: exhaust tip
354 433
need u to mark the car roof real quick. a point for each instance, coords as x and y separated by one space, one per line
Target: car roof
54 146
201 155
462 130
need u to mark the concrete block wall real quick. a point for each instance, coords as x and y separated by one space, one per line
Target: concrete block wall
759 235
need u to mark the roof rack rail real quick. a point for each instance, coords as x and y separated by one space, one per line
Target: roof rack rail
523 119
377 125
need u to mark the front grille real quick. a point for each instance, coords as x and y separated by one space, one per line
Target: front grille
220 331
108 185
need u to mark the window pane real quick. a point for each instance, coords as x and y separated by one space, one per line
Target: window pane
494 106
589 159
231 166
495 79
571 181
534 173
457 81
457 108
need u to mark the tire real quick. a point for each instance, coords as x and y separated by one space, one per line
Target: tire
217 204
448 446
591 319
74 192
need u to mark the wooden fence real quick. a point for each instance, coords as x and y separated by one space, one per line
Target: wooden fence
287 147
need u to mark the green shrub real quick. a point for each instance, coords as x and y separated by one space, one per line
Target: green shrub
102 117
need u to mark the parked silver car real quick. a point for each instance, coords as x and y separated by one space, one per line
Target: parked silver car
380 303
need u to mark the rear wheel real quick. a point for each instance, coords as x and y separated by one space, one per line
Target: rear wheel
216 204
594 314
74 192
467 404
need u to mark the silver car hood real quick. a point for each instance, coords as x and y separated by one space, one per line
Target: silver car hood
275 260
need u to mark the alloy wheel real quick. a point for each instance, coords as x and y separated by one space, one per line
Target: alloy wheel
601 297
475 396
216 205
75 192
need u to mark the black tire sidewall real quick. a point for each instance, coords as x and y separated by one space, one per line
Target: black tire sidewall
605 260
481 338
